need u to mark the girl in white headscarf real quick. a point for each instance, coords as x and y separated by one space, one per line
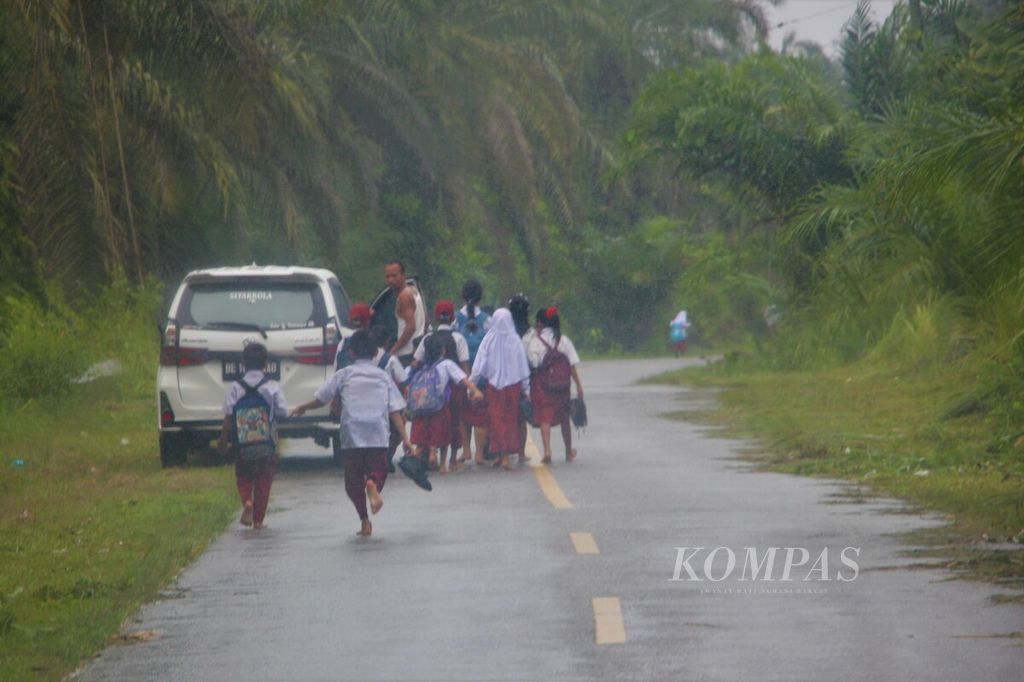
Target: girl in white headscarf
501 361
677 332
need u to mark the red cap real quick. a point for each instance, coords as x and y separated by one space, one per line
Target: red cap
444 308
360 314
551 312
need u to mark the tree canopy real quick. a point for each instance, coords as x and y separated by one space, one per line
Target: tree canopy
622 158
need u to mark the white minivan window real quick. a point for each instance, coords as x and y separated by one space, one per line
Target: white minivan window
340 300
267 305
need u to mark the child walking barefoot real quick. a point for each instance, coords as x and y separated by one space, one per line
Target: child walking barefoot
553 358
250 408
501 360
456 349
369 399
472 323
434 430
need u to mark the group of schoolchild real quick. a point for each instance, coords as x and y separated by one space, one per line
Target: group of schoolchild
476 378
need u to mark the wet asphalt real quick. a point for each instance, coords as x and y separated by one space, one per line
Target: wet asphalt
478 580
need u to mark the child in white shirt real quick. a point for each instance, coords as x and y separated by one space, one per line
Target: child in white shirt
551 408
369 400
434 430
253 476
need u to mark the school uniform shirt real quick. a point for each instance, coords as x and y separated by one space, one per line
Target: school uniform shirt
368 397
536 350
393 367
271 392
448 371
461 347
530 335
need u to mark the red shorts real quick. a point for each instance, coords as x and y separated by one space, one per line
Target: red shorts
433 431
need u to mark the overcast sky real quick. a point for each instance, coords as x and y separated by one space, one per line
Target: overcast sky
818 20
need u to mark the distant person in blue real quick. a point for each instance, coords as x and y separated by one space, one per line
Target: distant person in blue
677 332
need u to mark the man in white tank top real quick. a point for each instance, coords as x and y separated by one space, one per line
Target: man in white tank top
409 312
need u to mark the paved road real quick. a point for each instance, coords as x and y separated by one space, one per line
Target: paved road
480 580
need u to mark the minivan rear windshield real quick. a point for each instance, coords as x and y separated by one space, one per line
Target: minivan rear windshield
267 305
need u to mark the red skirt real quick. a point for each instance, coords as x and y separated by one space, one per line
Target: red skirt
433 431
549 408
475 414
503 419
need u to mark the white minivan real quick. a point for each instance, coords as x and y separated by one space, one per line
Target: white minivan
299 314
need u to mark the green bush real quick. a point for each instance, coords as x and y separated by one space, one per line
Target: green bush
40 349
922 335
724 289
44 347
120 323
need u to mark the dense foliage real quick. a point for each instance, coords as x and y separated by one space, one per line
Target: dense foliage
622 158
466 137
893 199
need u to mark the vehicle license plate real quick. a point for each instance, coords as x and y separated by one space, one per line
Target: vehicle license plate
232 369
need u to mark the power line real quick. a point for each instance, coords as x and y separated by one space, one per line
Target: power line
816 14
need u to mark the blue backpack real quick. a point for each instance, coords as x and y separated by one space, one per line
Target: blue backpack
473 330
426 393
252 420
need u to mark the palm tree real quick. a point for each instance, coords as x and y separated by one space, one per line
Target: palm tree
275 129
939 194
127 112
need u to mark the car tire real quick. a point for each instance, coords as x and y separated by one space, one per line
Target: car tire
339 458
173 449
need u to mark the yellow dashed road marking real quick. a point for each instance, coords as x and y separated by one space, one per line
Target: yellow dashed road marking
548 484
608 625
584 543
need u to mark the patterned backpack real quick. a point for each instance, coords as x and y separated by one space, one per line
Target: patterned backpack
252 420
426 393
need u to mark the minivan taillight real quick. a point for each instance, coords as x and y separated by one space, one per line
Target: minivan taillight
166 413
331 334
174 355
182 357
315 355
169 345
322 354
191 356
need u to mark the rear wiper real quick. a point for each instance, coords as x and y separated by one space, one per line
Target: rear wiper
238 325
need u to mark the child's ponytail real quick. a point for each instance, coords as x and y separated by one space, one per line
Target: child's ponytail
472 292
553 320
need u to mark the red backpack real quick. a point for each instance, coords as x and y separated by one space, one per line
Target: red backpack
555 370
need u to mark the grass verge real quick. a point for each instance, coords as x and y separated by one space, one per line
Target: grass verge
90 526
908 435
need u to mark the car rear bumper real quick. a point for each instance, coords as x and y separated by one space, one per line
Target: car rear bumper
287 427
